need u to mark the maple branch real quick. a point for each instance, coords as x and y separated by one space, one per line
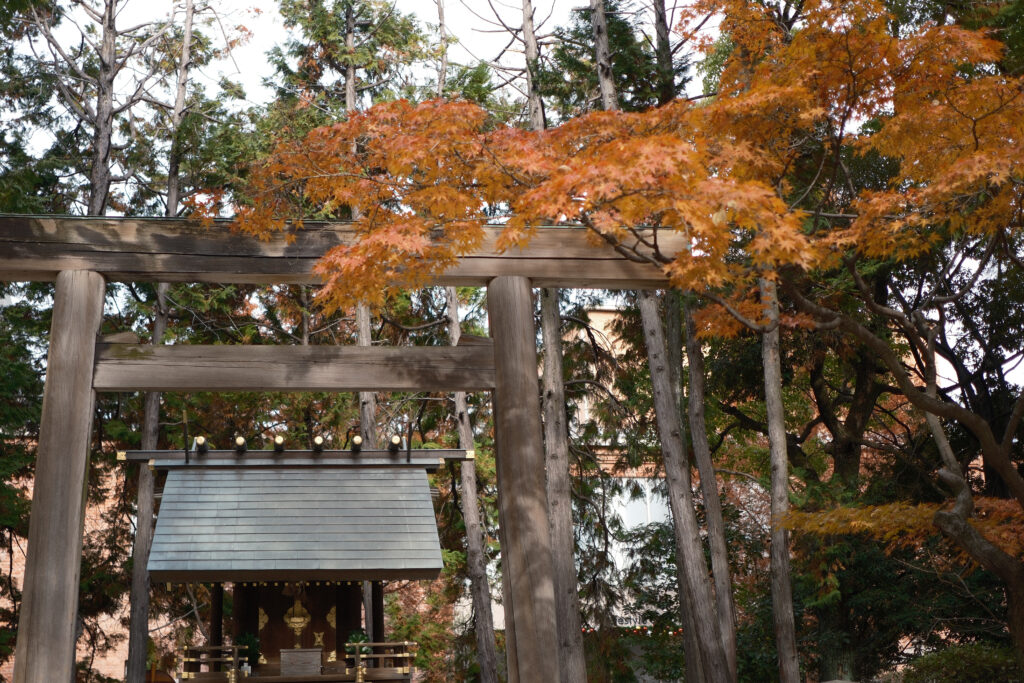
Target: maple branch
992 451
794 443
724 433
910 329
757 327
626 252
810 186
1008 250
954 525
745 475
934 300
413 328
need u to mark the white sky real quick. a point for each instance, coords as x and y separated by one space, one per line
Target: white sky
465 19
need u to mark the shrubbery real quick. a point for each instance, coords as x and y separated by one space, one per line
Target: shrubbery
965 663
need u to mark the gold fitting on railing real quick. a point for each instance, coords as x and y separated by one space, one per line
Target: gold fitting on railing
470 454
122 455
360 667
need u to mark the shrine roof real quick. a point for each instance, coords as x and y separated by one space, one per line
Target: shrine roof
255 524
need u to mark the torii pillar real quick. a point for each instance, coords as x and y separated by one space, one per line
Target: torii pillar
526 541
46 630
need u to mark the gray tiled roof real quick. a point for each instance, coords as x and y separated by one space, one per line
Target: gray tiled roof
295 524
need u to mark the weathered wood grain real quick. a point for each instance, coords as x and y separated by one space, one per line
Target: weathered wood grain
46 629
174 250
130 367
526 542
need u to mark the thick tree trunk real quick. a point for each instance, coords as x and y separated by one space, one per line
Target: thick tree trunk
839 658
569 638
476 561
695 588
602 56
559 487
720 571
782 590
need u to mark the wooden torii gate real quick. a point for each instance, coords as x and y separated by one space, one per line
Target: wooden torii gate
81 254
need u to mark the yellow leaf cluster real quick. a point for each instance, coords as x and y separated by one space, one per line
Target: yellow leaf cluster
905 525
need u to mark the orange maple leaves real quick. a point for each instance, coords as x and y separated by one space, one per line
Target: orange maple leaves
424 179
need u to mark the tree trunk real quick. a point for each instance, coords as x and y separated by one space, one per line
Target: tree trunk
511 651
442 72
476 561
839 658
367 399
573 666
174 159
368 429
138 628
536 108
695 588
350 68
674 340
720 571
138 633
782 590
602 56
663 55
1015 617
99 171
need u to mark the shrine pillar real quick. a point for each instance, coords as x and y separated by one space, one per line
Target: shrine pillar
46 628
526 541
